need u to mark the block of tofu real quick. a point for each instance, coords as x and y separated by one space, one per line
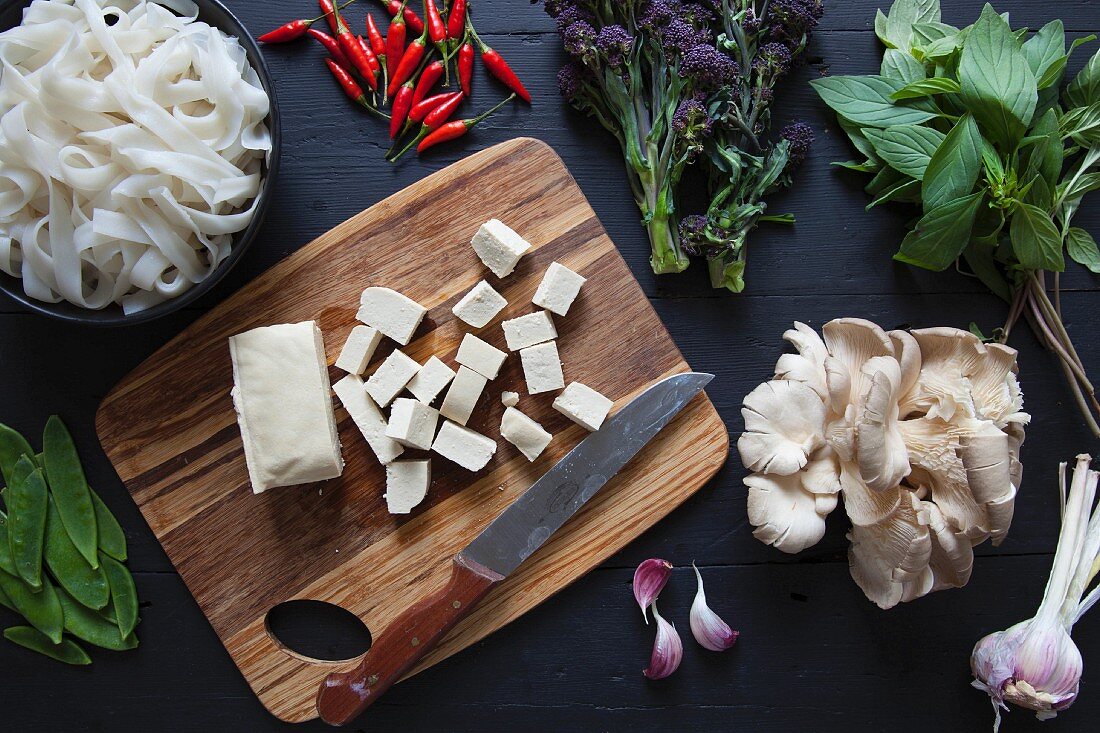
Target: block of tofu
483 358
391 313
412 423
462 395
430 380
524 433
284 407
480 305
358 349
463 446
509 399
367 417
391 377
528 330
542 368
558 289
499 247
407 484
583 405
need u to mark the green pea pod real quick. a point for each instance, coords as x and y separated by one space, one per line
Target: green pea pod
27 501
92 627
31 638
86 584
112 540
12 446
42 610
69 488
123 594
7 563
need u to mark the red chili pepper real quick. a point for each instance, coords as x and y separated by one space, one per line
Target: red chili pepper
457 128
351 87
466 66
402 103
433 119
395 43
377 43
409 60
393 7
375 66
295 29
421 109
499 68
428 77
456 20
354 50
330 45
437 30
329 11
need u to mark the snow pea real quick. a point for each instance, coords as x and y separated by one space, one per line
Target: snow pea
112 540
42 610
31 638
12 446
70 488
86 584
26 500
93 627
123 594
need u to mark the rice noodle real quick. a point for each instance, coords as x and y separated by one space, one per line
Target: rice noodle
131 143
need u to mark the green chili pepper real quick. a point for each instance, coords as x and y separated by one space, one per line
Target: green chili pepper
70 489
123 594
12 446
27 500
112 540
42 610
86 584
93 627
31 638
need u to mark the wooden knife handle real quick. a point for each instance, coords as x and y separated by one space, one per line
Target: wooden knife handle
344 695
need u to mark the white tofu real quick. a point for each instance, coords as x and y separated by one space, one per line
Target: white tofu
430 380
542 368
509 399
391 313
407 484
480 305
528 330
367 417
524 433
463 446
358 349
483 358
462 395
284 407
391 377
583 405
412 423
558 289
499 247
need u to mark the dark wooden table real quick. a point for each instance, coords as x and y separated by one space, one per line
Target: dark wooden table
814 653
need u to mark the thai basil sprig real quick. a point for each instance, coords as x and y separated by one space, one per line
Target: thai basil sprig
683 83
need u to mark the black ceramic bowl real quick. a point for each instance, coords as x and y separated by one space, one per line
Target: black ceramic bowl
217 15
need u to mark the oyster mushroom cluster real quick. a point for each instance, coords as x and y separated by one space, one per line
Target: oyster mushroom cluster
919 433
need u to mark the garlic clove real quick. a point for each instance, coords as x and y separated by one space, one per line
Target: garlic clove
668 650
708 629
649 581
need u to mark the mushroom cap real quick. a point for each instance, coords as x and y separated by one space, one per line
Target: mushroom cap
786 515
851 342
880 446
784 424
889 559
987 460
952 557
808 365
933 452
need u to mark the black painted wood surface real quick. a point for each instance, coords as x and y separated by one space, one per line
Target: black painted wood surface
814 653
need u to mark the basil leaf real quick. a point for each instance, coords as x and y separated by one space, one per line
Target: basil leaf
903 14
906 148
855 165
884 180
979 257
1035 240
1080 186
942 48
1083 124
1046 53
865 100
941 235
1085 87
901 66
994 168
926 33
880 27
1039 194
954 167
996 82
907 190
1082 249
1044 158
855 134
926 88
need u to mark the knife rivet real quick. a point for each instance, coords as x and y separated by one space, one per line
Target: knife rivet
372 680
416 641
457 604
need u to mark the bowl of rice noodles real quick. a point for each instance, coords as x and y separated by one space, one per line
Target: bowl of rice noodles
139 142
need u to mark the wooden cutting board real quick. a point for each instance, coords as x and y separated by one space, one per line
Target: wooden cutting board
170 430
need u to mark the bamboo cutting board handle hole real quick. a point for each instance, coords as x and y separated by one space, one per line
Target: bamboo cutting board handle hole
317 631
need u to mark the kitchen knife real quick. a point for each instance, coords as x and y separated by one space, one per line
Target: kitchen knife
509 540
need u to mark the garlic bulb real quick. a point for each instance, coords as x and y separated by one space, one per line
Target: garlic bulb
708 629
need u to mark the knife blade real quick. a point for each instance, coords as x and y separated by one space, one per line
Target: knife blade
502 546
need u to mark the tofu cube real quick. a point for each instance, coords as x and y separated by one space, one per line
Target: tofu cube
480 305
407 484
462 395
509 399
391 313
499 247
483 358
358 349
463 446
432 378
542 368
558 289
524 433
528 330
391 377
583 405
367 417
412 423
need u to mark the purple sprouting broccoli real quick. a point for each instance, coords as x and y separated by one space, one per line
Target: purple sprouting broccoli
678 37
697 15
800 138
791 21
657 14
772 61
693 234
571 79
570 15
708 69
614 43
692 125
579 40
